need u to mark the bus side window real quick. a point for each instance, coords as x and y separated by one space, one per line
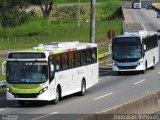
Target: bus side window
64 61
77 58
156 40
89 56
83 58
94 55
58 65
71 59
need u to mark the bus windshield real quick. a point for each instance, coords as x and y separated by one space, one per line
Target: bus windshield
26 72
128 48
137 1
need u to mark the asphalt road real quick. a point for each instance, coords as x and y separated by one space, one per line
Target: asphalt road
148 18
111 91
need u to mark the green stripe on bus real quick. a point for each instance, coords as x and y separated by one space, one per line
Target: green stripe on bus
25 88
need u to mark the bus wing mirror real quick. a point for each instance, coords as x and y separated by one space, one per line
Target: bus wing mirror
145 47
3 68
51 72
52 68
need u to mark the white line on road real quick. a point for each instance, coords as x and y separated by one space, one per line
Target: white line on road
139 82
159 72
2 109
102 96
140 21
108 76
2 98
104 78
44 116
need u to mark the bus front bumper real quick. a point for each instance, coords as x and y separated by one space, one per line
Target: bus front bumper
128 68
44 96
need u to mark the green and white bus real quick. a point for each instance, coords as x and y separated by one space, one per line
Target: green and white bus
51 71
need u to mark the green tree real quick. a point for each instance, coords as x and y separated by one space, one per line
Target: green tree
45 5
12 12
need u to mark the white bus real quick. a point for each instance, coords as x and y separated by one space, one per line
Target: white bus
136 51
51 71
136 4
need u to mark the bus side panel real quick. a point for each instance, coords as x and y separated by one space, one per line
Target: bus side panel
92 75
64 81
150 55
157 55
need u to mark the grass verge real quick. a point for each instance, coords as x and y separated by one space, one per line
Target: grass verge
71 34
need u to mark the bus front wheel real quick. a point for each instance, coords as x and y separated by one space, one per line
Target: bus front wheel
57 96
21 102
145 68
119 72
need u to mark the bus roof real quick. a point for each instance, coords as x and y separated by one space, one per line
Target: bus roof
59 47
142 34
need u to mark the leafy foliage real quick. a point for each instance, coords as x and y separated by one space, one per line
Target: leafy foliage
45 5
67 14
12 12
109 11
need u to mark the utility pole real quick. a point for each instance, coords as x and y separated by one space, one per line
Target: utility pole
92 21
79 14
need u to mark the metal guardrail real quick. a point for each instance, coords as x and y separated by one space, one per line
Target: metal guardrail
106 54
2 83
103 55
157 9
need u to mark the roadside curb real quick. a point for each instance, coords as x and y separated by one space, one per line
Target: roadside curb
150 104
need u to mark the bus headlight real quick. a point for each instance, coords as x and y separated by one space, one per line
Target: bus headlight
43 90
114 64
9 90
138 63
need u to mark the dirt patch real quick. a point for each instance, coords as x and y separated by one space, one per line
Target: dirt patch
104 44
3 54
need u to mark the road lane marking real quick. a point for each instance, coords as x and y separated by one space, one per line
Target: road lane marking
159 72
139 82
2 98
1 110
108 76
102 96
140 21
104 78
44 116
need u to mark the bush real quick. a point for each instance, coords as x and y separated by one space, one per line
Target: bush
66 14
12 13
14 17
109 11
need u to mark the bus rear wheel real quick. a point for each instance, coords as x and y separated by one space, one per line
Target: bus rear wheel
83 88
153 64
146 66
